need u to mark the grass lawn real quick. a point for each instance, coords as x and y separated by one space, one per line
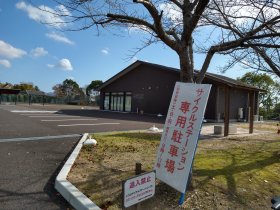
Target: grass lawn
232 173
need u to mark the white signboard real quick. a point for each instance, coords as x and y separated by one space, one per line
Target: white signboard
180 135
139 188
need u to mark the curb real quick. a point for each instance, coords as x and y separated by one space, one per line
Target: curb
76 198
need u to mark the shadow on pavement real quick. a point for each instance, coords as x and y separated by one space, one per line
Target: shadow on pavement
49 189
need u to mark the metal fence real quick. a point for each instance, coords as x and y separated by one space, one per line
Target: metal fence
44 99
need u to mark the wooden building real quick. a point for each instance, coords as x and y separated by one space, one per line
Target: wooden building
147 88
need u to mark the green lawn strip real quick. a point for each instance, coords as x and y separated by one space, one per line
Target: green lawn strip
114 160
246 173
243 172
262 126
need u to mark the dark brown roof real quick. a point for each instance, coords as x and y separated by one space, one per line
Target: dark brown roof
9 91
215 77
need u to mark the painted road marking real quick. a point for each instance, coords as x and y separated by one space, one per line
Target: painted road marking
53 116
33 111
42 114
72 125
39 138
66 120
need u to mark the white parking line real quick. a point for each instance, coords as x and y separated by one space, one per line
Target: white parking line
65 120
39 138
42 114
72 125
53 116
32 111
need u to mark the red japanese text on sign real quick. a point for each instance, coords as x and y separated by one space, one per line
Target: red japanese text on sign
182 127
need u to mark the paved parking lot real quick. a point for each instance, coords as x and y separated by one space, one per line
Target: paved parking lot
38 121
34 142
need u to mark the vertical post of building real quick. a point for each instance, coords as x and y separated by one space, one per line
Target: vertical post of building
217 110
110 100
252 110
227 109
124 100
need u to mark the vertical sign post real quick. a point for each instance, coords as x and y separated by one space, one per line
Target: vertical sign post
180 135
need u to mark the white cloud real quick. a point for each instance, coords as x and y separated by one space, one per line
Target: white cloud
64 64
45 14
39 52
62 10
248 10
59 38
172 12
5 63
50 66
8 51
105 51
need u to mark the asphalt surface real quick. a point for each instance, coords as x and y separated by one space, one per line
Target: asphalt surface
34 145
28 171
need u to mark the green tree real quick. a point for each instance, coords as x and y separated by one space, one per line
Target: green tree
265 82
69 88
26 86
93 86
277 109
277 92
6 85
59 91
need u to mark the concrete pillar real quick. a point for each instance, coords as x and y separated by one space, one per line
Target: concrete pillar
252 110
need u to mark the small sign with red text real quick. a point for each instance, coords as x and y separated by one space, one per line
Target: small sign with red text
180 134
139 188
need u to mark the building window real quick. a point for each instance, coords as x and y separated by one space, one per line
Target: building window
118 101
106 101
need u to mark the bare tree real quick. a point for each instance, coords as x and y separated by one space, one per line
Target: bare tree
246 30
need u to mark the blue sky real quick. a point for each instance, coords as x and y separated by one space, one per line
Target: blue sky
47 55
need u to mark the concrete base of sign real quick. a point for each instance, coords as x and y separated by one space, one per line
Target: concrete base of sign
219 129
77 199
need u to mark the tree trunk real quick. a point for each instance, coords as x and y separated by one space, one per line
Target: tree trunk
186 66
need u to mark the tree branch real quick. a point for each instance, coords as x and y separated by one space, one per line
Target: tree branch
268 60
157 24
205 66
177 3
261 45
127 19
190 21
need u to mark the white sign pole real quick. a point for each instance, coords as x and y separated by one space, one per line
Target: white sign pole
181 130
